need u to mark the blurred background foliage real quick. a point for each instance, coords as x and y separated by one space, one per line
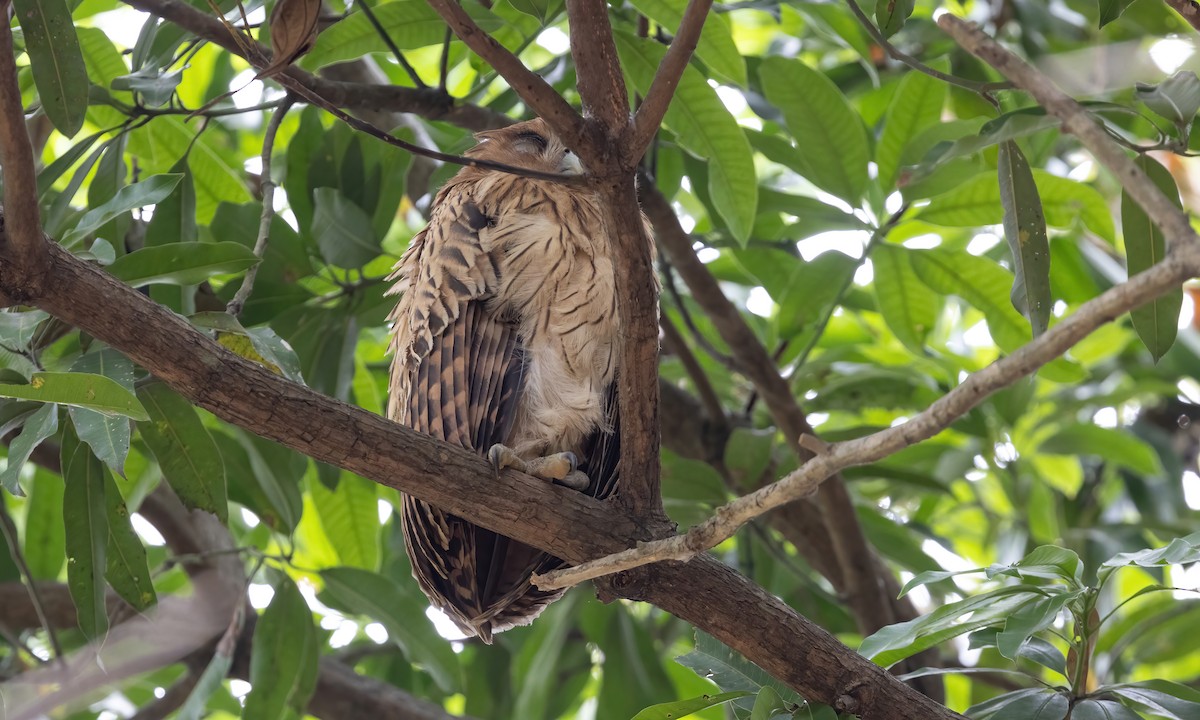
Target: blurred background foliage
851 206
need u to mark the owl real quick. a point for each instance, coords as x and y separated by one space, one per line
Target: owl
505 341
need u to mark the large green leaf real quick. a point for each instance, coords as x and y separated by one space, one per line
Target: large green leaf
908 306
1111 10
107 435
916 105
39 426
126 568
1117 446
834 139
892 14
704 127
185 451
1163 697
58 69
350 517
1156 322
979 281
263 476
87 390
1025 230
182 263
977 202
147 192
85 517
283 661
683 708
715 47
731 672
401 611
342 230
45 535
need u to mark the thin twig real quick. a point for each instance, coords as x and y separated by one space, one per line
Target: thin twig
674 342
9 530
649 116
235 305
937 417
23 227
387 40
983 88
690 323
445 61
1075 120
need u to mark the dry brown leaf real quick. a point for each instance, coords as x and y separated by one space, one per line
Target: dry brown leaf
293 25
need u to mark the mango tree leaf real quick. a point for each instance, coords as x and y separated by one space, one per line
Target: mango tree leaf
39 426
1090 709
1162 697
350 517
1030 619
1116 446
727 668
768 705
152 190
704 127
1025 230
835 141
261 475
892 14
283 661
1048 562
261 344
108 436
58 69
1111 10
682 708
977 202
715 47
537 663
45 537
182 263
1022 705
342 230
85 517
916 105
52 172
1177 98
908 306
1177 552
1156 322
400 609
87 390
126 570
185 451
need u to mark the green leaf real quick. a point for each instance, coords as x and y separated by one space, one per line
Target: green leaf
537 663
1162 697
1023 705
896 642
891 15
704 127
835 141
1025 230
185 451
155 87
147 192
1048 562
108 436
126 570
52 172
768 705
979 281
211 680
262 476
908 306
45 537
342 230
1156 322
87 390
85 517
401 611
1032 618
1111 10
977 203
182 263
174 218
284 655
1117 446
814 286
39 426
934 576
350 518
683 708
1102 710
1177 98
1179 551
718 662
58 69
715 47
261 344
916 105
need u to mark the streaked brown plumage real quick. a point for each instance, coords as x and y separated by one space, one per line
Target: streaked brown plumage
506 333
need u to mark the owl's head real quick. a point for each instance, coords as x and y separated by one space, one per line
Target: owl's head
530 144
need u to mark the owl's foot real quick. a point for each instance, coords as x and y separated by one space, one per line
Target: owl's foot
560 467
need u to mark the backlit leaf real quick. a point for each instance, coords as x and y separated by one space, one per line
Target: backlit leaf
1025 230
182 263
88 390
1156 322
185 451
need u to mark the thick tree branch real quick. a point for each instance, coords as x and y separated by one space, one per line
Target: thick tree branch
1075 120
598 73
649 116
23 225
1189 10
956 403
531 87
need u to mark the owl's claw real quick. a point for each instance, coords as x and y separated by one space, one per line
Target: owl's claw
560 467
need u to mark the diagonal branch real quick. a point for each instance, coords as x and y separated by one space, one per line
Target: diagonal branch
649 116
531 87
937 417
1075 120
24 227
597 68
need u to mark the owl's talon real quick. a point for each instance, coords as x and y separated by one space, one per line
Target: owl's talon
576 480
555 468
502 456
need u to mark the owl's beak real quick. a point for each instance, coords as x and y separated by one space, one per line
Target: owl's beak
570 164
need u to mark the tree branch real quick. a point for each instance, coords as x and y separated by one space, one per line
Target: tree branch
956 403
599 78
649 116
533 90
23 225
1075 120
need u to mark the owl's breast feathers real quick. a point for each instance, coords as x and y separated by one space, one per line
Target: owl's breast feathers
506 332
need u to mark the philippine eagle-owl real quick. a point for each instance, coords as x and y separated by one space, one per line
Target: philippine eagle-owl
506 341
